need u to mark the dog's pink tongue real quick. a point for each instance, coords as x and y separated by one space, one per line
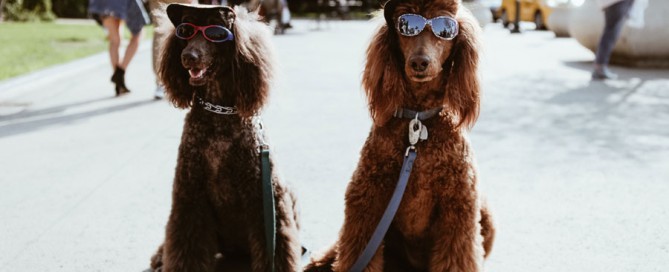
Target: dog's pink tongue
196 73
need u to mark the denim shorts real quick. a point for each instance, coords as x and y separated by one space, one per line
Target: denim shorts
130 11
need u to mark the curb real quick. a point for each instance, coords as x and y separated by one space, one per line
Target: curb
16 86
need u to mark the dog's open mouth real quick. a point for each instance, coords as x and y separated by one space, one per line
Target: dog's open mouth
197 76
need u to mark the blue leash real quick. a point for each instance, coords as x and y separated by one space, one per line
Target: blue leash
417 132
388 215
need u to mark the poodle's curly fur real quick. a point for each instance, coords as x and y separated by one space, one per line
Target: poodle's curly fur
442 223
216 221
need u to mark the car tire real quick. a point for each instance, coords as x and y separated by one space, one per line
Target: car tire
505 18
539 21
494 16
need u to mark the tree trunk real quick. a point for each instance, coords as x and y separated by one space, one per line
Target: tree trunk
2 7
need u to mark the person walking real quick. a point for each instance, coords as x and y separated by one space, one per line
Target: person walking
155 7
110 14
615 12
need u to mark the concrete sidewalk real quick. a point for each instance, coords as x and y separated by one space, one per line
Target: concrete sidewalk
577 172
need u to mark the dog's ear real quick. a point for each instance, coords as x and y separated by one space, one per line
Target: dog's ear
172 74
228 16
383 78
253 61
462 96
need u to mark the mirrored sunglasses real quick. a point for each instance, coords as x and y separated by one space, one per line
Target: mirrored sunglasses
444 27
213 33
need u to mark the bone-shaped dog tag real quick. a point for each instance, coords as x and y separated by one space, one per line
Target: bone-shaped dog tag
415 127
423 133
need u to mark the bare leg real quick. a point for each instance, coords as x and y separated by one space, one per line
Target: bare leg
113 26
131 49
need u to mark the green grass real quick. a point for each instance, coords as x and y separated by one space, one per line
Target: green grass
26 47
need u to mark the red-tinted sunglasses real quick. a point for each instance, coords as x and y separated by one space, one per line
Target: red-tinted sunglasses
213 33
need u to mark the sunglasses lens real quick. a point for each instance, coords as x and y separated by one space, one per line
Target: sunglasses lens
217 33
445 28
185 31
410 24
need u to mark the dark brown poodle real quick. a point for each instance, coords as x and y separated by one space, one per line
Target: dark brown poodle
223 75
442 224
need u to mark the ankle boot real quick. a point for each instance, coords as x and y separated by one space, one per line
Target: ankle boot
119 79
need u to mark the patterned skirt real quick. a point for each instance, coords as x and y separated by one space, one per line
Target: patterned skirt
130 11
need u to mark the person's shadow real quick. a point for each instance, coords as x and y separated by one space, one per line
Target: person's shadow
28 120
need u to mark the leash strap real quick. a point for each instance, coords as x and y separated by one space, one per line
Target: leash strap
268 206
388 215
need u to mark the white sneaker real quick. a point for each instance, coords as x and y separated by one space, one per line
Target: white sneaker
159 93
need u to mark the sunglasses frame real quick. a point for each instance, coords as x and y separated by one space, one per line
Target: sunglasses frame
197 28
428 22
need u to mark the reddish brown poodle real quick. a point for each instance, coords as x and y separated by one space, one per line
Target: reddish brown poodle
222 73
442 223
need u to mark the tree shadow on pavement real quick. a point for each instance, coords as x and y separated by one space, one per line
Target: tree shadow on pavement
625 118
33 125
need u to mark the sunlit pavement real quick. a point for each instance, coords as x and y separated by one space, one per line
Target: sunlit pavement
577 172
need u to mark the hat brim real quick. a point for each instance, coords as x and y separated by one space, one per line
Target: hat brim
175 11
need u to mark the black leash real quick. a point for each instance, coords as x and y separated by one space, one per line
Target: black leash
269 207
269 210
416 132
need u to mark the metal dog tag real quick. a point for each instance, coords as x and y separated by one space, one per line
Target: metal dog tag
423 133
415 127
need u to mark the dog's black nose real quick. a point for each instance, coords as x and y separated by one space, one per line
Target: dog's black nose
190 57
419 63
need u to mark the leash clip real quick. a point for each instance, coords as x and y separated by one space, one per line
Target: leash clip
262 144
415 127
411 147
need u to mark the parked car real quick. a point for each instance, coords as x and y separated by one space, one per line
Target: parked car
493 5
536 11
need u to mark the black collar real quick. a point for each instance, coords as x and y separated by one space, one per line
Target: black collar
411 114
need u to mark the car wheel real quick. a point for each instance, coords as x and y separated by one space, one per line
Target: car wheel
505 18
539 21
